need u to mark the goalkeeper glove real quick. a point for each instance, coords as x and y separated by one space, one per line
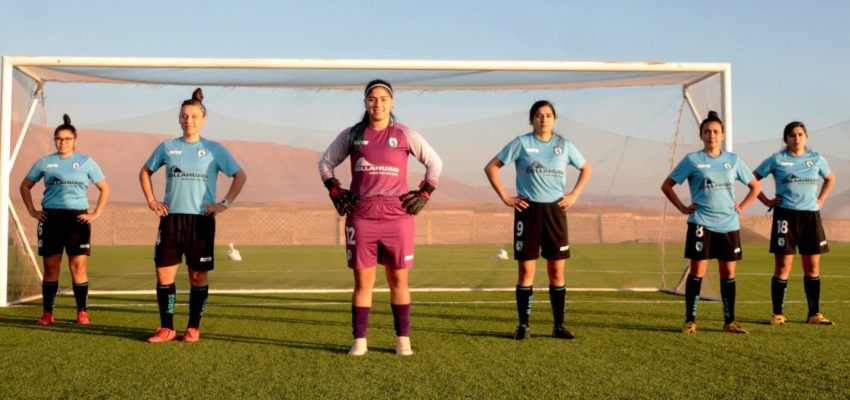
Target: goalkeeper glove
415 201
344 201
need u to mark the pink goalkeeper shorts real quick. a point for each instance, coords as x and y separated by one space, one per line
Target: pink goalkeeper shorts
379 232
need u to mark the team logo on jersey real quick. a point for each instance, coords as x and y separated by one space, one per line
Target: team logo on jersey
810 163
202 153
75 165
538 168
348 254
781 242
393 142
727 165
519 245
699 246
558 150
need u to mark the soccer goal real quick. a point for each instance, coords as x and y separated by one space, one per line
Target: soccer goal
632 121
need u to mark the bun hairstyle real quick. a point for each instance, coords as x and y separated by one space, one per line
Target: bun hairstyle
712 117
196 100
66 126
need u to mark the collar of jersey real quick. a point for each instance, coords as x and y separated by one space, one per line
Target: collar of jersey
533 136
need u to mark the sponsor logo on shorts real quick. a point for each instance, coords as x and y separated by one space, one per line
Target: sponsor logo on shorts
75 165
206 259
823 243
786 164
703 166
565 248
348 254
202 153
699 246
172 152
532 150
393 142
737 250
727 165
810 163
408 258
519 245
781 242
85 246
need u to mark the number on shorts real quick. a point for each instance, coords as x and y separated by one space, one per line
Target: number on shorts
519 228
350 233
782 226
700 231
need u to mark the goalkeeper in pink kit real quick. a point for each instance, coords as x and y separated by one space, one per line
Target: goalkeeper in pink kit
379 208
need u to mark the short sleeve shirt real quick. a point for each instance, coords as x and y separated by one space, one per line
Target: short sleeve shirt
712 184
66 180
541 166
796 178
191 172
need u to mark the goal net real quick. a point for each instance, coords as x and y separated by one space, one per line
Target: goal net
631 121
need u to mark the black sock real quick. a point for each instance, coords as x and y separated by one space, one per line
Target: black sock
524 295
778 289
727 293
197 303
692 289
166 295
558 297
81 295
48 295
812 286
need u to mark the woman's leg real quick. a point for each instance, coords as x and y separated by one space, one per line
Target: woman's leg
197 297
80 280
399 300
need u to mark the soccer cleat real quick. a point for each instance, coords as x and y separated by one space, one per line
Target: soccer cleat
689 328
191 335
358 347
523 332
733 327
46 318
562 333
402 346
162 335
777 319
83 318
819 319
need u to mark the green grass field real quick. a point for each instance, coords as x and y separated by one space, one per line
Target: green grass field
294 345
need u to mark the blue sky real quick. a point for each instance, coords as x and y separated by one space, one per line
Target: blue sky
788 58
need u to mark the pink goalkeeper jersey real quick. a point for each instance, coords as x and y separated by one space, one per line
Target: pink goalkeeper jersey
379 165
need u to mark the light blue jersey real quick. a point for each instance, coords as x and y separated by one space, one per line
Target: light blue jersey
796 178
66 180
541 166
712 184
191 172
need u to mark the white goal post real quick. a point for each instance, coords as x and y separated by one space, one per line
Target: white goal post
420 75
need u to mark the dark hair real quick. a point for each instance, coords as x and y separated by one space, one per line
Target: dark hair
790 129
196 100
66 126
364 121
712 117
537 106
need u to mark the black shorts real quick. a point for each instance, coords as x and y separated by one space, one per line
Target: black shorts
541 225
792 228
189 234
61 231
703 244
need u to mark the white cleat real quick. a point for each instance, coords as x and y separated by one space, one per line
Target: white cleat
358 347
402 346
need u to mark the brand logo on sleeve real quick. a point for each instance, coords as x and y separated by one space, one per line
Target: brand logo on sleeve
75 165
727 165
810 163
172 152
393 142
202 153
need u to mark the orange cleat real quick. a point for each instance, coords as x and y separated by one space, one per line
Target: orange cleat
191 335
83 318
162 335
46 318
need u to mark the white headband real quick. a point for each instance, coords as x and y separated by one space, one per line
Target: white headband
389 89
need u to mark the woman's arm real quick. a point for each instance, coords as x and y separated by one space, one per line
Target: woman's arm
755 190
828 184
105 190
239 179
26 194
769 203
583 177
492 171
161 209
667 189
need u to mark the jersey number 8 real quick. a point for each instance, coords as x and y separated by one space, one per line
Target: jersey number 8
699 231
